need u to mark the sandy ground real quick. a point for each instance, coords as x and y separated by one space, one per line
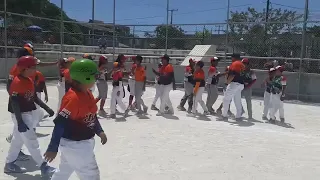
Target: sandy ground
187 148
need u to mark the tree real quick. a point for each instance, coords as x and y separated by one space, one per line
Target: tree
204 34
249 33
175 37
42 8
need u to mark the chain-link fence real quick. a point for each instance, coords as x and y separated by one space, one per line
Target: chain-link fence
283 37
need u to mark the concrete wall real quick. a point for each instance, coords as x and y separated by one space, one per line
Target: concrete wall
309 86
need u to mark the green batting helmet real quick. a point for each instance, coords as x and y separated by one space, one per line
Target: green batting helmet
84 71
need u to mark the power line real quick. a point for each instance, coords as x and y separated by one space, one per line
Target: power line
199 11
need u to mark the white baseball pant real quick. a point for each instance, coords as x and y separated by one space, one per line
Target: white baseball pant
117 99
78 157
158 94
165 97
61 91
131 83
276 105
28 138
233 91
266 103
198 99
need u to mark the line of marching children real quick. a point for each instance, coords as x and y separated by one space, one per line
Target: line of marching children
239 79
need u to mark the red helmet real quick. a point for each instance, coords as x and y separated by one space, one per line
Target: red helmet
103 58
26 62
214 59
245 60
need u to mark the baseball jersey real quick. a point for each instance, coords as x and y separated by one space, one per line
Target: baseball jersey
67 78
249 75
166 74
22 88
117 77
212 76
140 74
102 74
39 81
188 74
80 109
277 83
199 77
14 71
236 69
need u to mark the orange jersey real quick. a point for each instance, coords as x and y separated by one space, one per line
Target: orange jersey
140 74
14 71
66 75
80 109
199 77
39 81
24 89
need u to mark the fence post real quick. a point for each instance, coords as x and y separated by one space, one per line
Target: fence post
303 43
114 30
61 30
227 33
167 26
5 40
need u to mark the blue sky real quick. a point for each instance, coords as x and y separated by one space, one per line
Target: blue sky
189 11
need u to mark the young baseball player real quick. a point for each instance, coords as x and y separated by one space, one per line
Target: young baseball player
157 87
64 77
26 50
235 83
131 84
198 90
188 87
212 81
219 110
278 86
267 93
40 86
76 126
140 84
117 91
22 104
167 83
249 79
102 83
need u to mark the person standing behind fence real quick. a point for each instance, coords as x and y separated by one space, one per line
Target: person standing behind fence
249 79
212 81
102 83
267 93
102 42
278 87
188 87
235 83
199 79
140 85
167 83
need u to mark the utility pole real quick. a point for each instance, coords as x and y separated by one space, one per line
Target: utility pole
303 42
167 28
267 19
172 10
92 23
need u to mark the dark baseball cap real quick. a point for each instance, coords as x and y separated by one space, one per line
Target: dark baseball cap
166 57
236 56
138 57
